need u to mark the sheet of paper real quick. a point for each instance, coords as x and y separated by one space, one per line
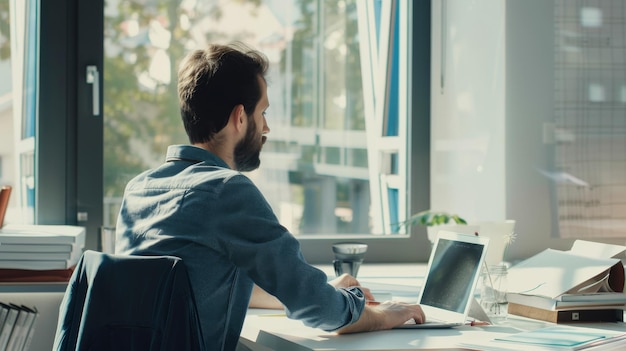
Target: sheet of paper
597 250
552 272
556 336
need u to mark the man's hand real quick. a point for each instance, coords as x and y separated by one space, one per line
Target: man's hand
345 281
385 316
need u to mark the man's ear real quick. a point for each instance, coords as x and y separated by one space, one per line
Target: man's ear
238 116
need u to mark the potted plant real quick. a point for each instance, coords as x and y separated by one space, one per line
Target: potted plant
431 218
434 221
500 233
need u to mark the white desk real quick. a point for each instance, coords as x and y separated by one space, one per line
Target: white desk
270 330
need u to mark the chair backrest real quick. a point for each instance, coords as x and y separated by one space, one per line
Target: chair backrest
115 302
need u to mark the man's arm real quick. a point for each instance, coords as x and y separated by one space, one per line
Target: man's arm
384 316
262 299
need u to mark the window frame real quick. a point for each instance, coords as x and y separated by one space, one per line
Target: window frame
69 139
415 246
68 146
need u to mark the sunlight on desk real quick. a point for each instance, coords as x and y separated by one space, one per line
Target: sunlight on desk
271 329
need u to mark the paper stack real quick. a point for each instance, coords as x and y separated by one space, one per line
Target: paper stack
41 247
584 284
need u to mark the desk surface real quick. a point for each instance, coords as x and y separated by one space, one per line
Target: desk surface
271 330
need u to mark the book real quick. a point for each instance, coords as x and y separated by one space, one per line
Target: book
40 256
23 324
4 311
5 193
564 302
552 273
594 297
15 339
30 248
7 327
564 338
581 315
42 234
38 235
31 329
37 265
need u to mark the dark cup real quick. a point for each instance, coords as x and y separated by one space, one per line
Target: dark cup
348 258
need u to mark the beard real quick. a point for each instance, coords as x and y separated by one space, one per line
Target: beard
248 150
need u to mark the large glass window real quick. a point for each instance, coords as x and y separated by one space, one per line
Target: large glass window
335 160
19 40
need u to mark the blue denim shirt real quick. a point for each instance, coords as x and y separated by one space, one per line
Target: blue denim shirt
214 218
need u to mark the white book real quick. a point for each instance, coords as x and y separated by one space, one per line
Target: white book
552 273
37 265
7 328
31 330
40 256
15 339
593 297
4 311
30 248
42 234
546 303
17 343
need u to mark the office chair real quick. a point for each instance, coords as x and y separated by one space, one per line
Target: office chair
115 302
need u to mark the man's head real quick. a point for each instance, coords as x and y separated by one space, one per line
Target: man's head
212 84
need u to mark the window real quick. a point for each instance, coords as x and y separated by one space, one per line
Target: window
54 140
336 157
344 176
56 125
19 37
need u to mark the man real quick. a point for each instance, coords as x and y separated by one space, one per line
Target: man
198 206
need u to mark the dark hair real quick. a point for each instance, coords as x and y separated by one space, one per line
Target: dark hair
212 82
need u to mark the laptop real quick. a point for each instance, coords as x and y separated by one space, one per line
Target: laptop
453 272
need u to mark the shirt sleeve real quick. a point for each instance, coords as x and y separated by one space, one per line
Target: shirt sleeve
270 255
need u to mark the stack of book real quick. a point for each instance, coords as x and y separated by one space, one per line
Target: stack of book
579 285
570 308
40 247
16 326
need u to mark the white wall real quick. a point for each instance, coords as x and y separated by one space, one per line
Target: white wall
488 118
468 109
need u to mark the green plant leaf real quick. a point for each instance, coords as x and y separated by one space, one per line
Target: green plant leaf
431 218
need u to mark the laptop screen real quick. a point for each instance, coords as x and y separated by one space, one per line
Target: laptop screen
453 272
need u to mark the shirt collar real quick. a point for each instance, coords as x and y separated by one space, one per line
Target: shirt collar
193 154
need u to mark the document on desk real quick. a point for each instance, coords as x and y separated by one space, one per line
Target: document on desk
567 338
552 273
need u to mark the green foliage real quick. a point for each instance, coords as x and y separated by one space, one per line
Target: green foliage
5 35
140 123
430 218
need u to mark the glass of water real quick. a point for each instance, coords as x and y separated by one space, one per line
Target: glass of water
493 292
